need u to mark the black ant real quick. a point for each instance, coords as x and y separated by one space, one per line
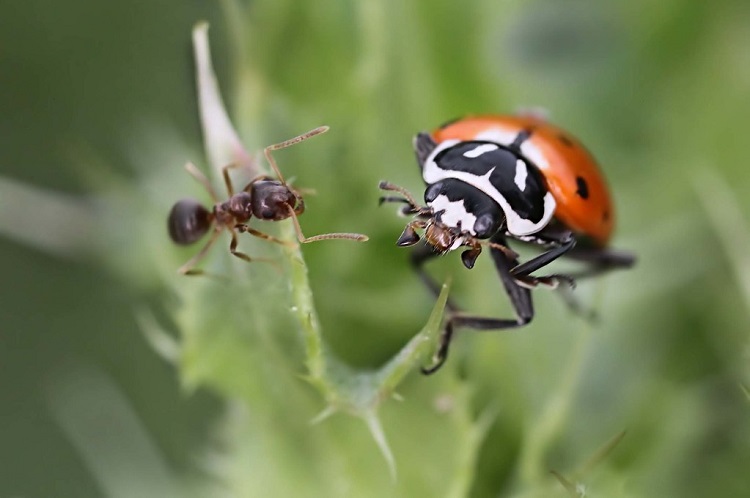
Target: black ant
264 197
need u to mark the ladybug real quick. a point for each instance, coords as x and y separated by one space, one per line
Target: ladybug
495 178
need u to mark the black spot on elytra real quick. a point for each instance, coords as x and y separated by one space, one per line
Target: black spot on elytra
583 188
605 216
565 140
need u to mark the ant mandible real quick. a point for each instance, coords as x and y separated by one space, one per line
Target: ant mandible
264 197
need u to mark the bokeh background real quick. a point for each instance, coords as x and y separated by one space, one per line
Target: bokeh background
98 113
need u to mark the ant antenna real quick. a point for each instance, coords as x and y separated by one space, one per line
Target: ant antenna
288 143
325 236
504 249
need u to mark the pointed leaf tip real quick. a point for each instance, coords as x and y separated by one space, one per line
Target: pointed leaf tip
391 375
376 429
603 452
571 488
221 140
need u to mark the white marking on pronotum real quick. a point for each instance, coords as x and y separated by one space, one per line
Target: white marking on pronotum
506 136
454 213
535 155
502 136
521 174
522 226
432 173
479 150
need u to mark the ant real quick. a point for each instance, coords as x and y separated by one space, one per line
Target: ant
264 197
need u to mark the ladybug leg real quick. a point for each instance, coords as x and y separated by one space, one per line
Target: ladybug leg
563 243
520 298
421 255
575 306
601 260
423 147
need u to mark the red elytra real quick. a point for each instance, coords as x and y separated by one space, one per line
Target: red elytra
584 204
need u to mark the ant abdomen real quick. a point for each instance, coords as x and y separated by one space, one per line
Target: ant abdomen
188 222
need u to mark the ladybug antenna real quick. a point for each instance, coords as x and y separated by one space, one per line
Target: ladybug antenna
288 143
385 185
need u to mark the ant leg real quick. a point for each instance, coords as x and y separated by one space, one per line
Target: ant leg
262 235
520 298
494 245
227 179
187 268
325 236
288 143
242 255
201 178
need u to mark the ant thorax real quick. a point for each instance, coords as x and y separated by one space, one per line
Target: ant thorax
236 210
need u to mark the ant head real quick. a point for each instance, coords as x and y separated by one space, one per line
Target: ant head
271 200
188 222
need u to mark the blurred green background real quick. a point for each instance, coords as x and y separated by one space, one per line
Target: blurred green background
97 102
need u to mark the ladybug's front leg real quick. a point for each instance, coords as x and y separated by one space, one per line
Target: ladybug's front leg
423 147
520 298
601 260
562 243
421 255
